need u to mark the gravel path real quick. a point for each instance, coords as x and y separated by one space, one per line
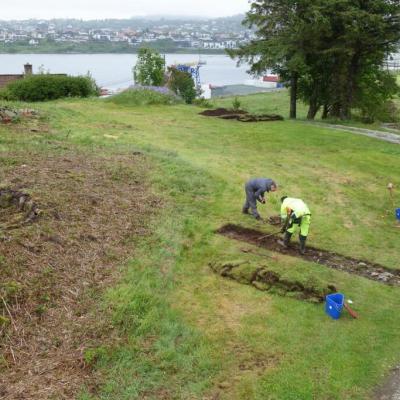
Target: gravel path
386 136
391 388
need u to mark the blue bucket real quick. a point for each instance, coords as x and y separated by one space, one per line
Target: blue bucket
398 214
334 305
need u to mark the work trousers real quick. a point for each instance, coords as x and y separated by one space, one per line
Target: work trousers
251 202
302 224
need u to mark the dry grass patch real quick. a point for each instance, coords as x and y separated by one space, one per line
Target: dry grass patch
54 267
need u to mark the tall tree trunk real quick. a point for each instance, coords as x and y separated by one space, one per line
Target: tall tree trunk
312 110
325 112
314 104
293 95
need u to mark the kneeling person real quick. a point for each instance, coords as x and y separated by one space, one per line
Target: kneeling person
295 215
255 191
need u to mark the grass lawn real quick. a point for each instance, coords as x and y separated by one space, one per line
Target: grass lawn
186 333
278 103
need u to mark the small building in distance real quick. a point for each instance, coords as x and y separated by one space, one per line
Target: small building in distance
5 79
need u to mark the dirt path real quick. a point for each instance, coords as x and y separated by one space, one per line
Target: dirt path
390 390
54 269
363 268
386 136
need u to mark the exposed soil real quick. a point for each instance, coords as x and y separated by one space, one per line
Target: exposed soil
67 221
274 220
16 209
264 279
390 390
8 114
363 268
240 115
218 112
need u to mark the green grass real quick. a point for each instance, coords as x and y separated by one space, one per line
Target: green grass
278 103
142 97
186 333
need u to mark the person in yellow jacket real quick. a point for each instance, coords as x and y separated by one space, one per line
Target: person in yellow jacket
295 215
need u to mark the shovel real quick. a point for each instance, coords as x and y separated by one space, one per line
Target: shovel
269 235
351 311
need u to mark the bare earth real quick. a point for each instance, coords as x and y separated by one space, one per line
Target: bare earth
53 268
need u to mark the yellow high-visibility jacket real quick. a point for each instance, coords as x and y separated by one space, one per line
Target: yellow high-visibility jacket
294 206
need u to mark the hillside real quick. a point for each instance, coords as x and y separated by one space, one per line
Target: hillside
143 194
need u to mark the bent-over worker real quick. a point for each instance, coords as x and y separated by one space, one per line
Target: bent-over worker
255 191
295 215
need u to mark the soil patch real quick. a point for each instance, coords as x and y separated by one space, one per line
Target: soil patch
53 270
391 388
8 114
363 268
264 279
218 112
240 115
16 209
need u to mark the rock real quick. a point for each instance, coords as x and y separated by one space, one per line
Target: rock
385 276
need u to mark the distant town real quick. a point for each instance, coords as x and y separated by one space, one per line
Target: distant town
164 34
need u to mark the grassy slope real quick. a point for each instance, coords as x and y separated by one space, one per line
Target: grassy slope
278 102
191 334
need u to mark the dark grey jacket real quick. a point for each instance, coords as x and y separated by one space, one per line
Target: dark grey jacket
259 186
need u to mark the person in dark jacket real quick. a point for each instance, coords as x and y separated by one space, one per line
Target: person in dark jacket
255 191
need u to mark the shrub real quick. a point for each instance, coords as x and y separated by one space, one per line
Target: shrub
143 96
182 84
149 69
236 104
202 102
50 87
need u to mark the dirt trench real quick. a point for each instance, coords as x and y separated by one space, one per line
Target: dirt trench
354 266
67 220
240 115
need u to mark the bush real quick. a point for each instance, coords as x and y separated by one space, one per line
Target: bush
236 104
149 69
49 87
182 84
204 103
144 96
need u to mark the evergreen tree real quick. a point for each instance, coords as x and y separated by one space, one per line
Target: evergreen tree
325 50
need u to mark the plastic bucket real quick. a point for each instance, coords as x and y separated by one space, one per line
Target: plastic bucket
334 304
398 214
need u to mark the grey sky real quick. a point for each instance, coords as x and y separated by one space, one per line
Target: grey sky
92 9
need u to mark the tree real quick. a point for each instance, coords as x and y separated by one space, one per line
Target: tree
150 67
182 84
279 44
325 50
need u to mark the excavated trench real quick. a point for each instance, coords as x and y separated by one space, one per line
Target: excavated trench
354 266
240 115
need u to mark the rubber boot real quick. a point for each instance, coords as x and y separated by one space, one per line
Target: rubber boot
302 244
286 239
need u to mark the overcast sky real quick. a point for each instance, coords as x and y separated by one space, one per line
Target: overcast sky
99 9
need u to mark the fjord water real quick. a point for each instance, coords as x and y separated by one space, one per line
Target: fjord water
114 71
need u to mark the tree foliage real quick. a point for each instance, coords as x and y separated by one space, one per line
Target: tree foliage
44 87
182 84
150 67
329 52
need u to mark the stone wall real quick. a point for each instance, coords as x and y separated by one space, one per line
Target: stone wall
6 79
